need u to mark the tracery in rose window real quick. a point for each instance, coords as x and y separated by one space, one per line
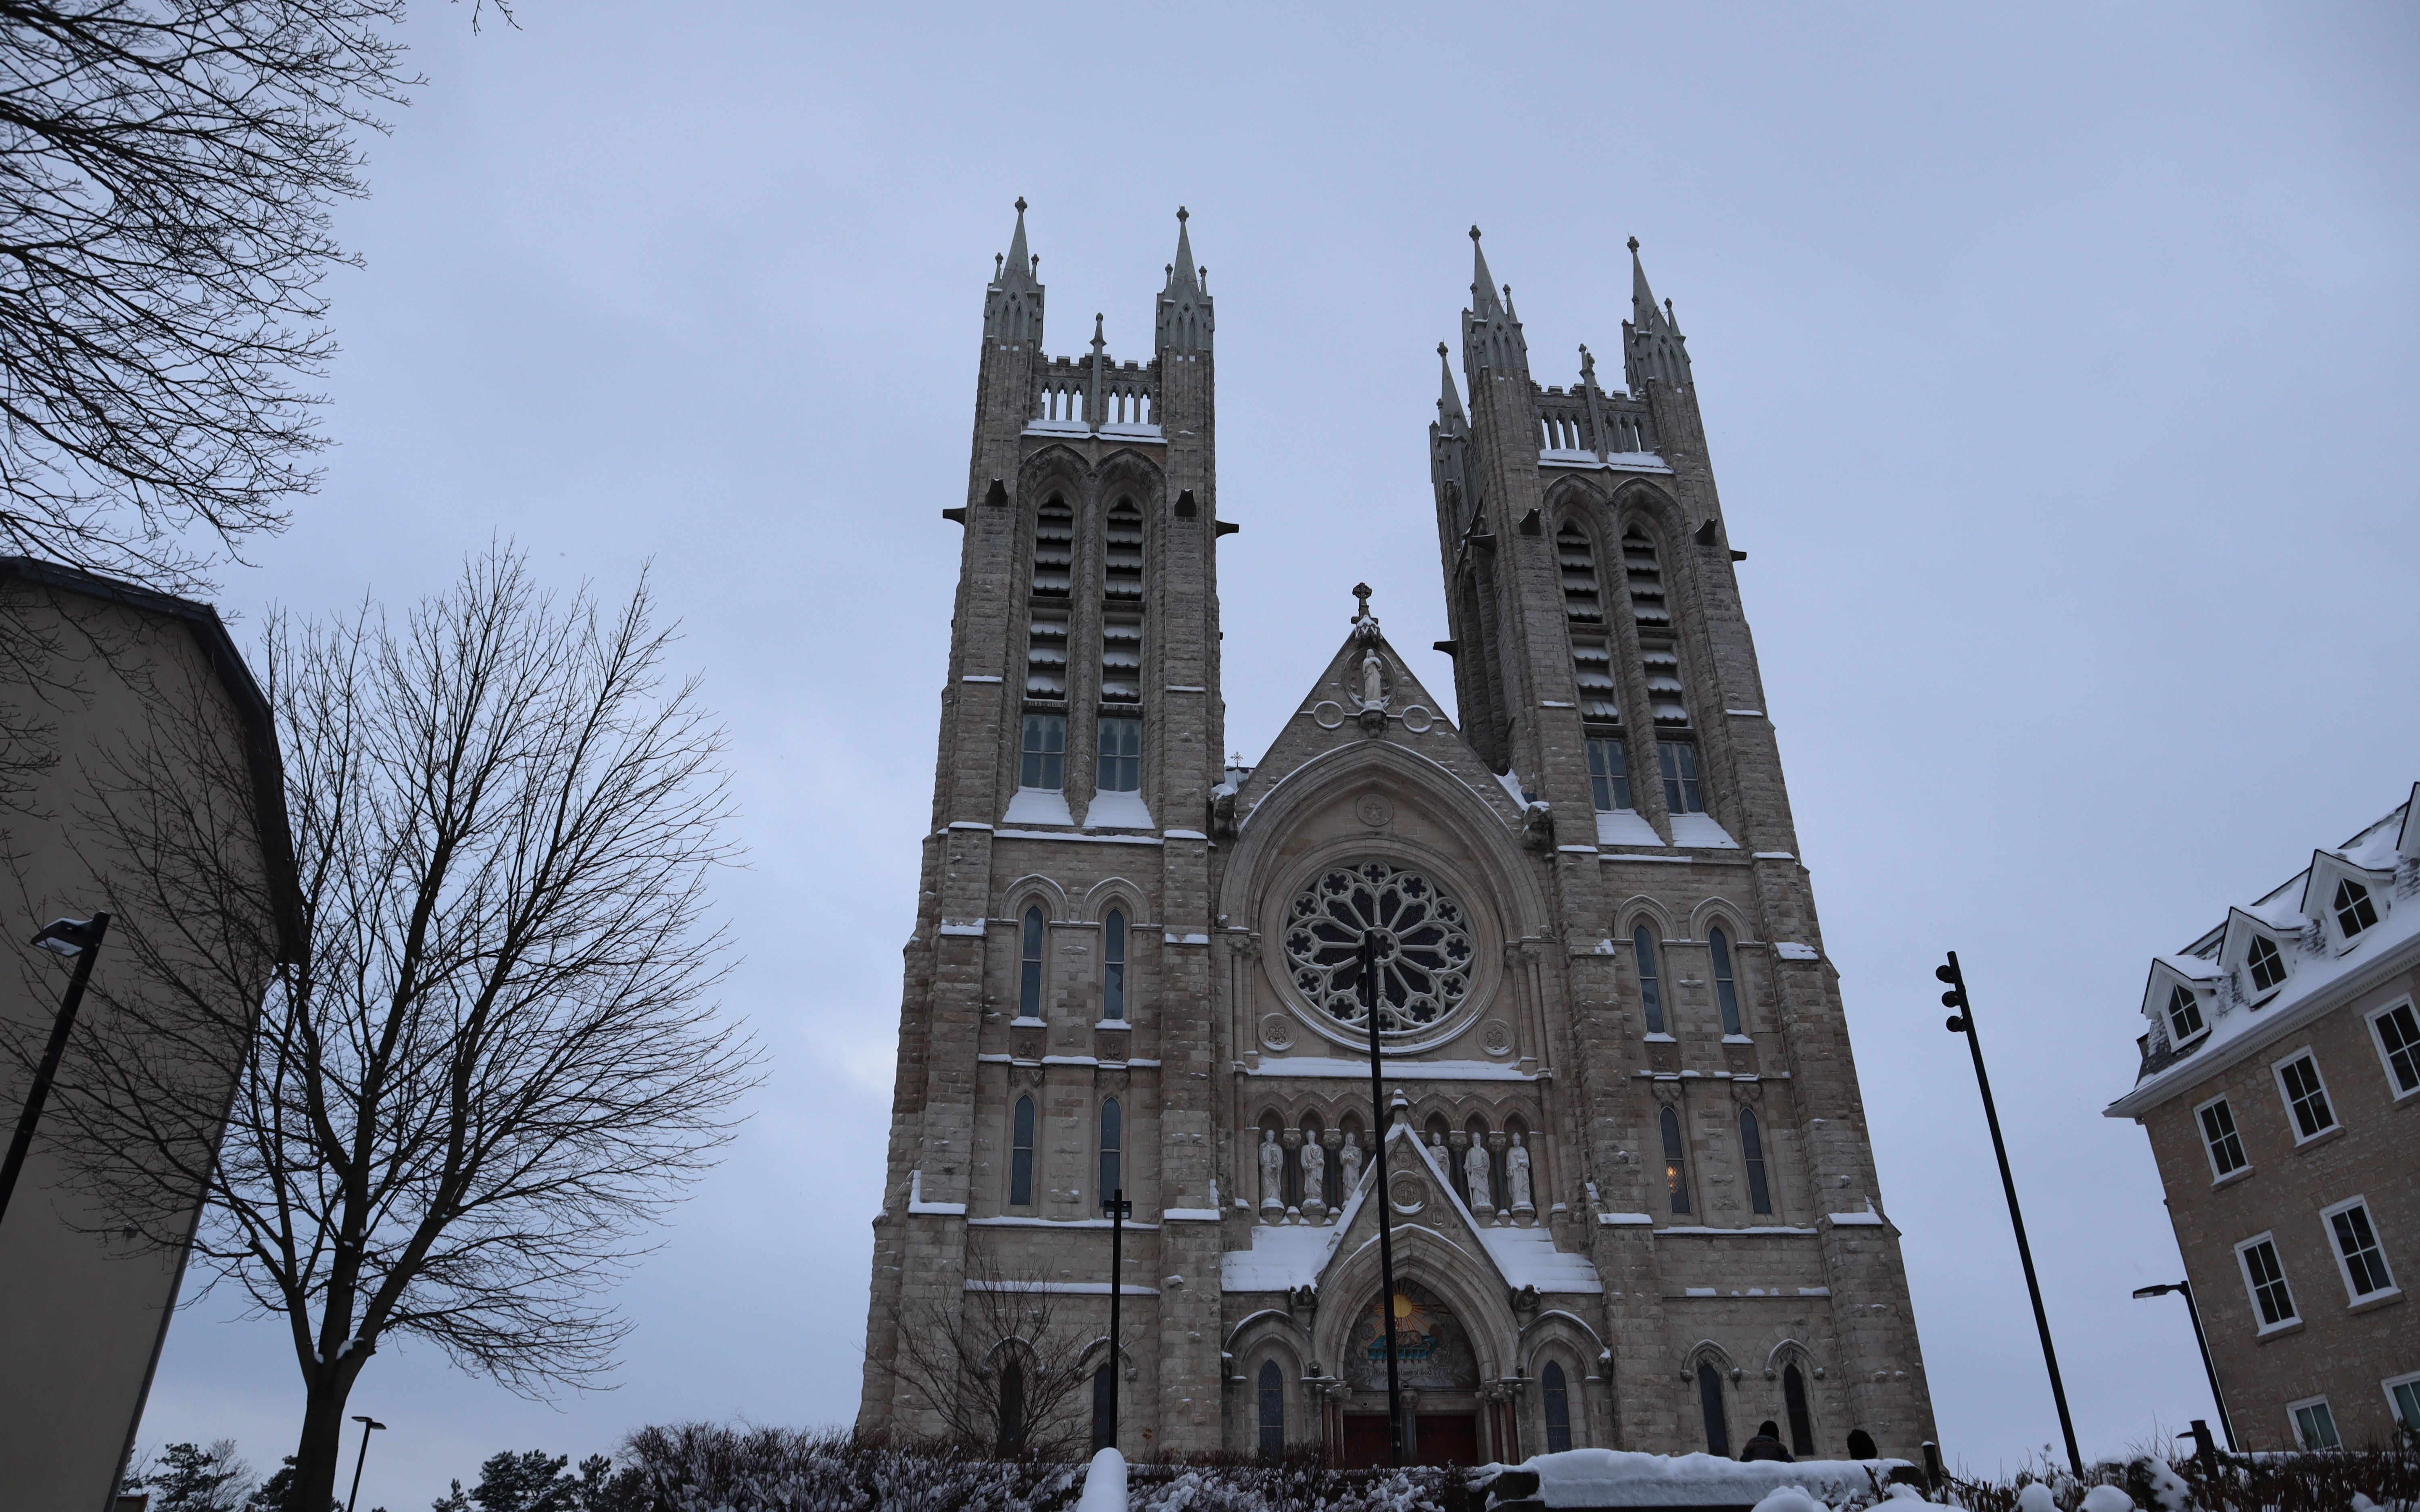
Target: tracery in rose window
1421 931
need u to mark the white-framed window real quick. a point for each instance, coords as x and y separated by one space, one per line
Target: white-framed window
2315 1426
2266 962
2355 908
2396 1029
2403 1404
2353 1240
2185 1022
2221 1138
2272 1302
2306 1097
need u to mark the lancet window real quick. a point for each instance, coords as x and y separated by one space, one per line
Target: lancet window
1651 981
1028 967
1112 1147
1558 1408
1718 945
1760 1194
1676 1166
1113 965
1794 1401
1021 1156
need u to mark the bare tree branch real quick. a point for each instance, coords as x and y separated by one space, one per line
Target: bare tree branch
953 1353
502 1061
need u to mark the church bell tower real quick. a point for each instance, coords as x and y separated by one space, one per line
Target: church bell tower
1054 1036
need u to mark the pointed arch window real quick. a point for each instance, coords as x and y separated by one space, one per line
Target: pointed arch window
1794 1401
1718 945
1650 985
1028 967
1558 1408
1021 1156
1113 965
1112 1147
1676 1168
1760 1195
1710 1400
1012 1408
2354 909
1272 1405
2268 965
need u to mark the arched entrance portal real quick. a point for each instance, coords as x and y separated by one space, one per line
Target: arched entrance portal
1439 1376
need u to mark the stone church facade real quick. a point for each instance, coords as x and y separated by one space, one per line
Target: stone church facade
1633 1201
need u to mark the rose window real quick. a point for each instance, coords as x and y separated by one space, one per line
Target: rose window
1419 932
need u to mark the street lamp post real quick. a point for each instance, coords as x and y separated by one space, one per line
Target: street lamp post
367 1424
79 938
2201 1340
1118 1208
1962 1022
1378 1191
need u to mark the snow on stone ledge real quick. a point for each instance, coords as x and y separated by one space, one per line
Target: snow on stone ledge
1613 1477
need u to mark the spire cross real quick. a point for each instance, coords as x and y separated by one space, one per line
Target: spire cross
1633 244
1362 593
1180 214
1020 208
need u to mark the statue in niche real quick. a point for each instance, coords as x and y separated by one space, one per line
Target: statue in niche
1373 684
1350 1158
1516 1179
1477 1171
1272 1172
1314 1177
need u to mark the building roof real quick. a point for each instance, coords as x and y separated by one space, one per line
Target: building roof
252 708
2324 966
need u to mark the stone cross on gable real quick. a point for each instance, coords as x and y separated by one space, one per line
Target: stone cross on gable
1361 595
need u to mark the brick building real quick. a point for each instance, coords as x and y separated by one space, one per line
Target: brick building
2280 1085
1632 1200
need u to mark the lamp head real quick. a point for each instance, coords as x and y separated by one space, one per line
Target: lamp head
2160 1290
367 1423
69 937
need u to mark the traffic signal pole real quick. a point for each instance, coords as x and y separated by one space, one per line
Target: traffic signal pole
1962 1022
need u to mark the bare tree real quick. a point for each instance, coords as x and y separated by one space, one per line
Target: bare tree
166 172
998 1366
499 1062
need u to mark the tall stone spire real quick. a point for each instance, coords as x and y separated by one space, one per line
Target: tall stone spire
1012 303
1652 345
1185 313
1449 415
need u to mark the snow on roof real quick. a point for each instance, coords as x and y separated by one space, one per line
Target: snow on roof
1614 1477
2318 963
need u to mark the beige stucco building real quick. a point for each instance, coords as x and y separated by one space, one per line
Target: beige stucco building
106 681
1632 1199
2280 1085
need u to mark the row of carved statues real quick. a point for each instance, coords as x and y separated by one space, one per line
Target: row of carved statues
1473 1157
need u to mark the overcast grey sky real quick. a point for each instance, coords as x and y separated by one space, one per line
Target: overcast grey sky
2059 368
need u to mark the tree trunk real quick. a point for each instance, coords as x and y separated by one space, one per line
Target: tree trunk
323 1438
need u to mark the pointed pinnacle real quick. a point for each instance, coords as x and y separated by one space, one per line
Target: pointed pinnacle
1482 284
1449 398
1183 252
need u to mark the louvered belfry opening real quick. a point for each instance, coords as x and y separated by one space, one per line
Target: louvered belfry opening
1659 657
1054 558
1122 607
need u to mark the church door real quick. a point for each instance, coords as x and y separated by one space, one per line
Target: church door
1450 1439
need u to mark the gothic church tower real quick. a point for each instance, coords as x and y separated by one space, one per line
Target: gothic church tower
1631 1198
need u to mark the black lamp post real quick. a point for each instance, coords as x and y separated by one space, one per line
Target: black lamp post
79 938
1962 1022
1378 1190
2201 1341
367 1424
1118 1208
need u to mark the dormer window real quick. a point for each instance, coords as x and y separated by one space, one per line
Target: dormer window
2353 908
2184 1015
2268 965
